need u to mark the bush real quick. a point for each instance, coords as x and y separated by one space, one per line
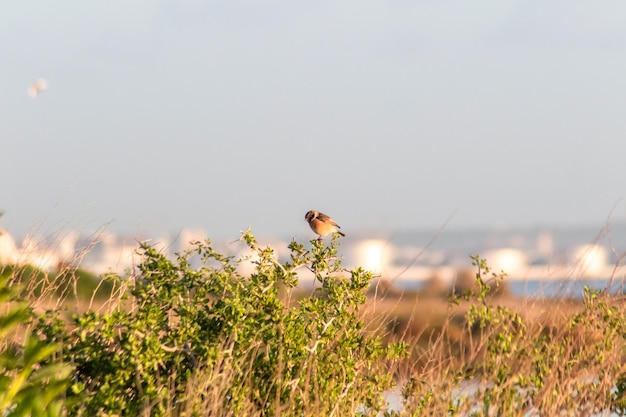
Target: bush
263 354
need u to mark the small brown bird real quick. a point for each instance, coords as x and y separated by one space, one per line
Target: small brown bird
321 223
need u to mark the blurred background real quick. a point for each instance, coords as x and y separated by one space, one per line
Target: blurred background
428 130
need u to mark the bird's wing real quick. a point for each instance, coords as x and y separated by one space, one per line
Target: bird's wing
326 219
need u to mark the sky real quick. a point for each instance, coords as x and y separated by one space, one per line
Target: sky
386 115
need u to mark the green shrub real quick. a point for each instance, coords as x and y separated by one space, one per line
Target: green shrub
264 353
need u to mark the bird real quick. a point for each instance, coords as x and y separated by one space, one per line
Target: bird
321 224
37 87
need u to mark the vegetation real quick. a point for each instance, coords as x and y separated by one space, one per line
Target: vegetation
193 337
42 286
33 376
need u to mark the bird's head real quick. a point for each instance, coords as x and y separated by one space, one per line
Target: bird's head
310 215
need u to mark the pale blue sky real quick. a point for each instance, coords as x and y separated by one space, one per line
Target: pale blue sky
384 114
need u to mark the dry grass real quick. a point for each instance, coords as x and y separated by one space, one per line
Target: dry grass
583 354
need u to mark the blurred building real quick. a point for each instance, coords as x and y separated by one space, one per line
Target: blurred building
405 257
8 250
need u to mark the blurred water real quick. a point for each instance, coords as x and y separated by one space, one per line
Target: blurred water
541 288
563 288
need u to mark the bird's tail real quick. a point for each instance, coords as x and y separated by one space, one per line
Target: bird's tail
341 233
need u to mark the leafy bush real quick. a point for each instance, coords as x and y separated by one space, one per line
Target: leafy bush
264 353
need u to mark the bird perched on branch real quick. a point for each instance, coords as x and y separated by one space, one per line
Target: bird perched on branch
321 223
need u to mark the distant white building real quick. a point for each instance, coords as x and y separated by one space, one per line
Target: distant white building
513 262
591 260
248 259
111 253
8 250
66 248
187 236
44 259
30 253
373 255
